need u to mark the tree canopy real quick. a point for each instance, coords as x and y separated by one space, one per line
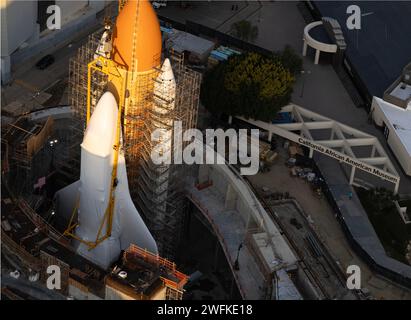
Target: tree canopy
244 30
249 85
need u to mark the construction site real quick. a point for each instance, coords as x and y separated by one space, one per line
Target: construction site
82 191
42 154
44 203
158 189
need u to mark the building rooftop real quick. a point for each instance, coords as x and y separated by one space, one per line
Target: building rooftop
400 119
140 272
356 223
382 47
402 91
183 41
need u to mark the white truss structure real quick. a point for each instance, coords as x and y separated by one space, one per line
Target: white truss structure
348 145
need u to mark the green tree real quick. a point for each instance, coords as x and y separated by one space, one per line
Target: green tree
249 85
244 30
378 201
290 60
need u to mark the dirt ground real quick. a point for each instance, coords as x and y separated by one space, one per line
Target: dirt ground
328 229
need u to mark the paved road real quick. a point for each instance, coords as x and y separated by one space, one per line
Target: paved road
27 79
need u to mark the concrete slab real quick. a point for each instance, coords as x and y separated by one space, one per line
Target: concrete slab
230 229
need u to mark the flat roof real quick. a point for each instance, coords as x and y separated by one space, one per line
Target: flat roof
400 119
402 91
144 272
182 41
382 47
356 221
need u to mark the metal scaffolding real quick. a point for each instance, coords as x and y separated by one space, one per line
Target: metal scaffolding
160 187
157 190
38 152
78 78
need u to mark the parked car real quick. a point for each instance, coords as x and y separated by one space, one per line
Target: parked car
44 62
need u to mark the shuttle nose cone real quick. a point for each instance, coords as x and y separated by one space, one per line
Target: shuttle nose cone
165 86
166 71
100 133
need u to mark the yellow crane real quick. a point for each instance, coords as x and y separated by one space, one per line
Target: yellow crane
108 67
126 81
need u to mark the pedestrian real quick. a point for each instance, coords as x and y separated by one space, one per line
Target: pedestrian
236 7
350 195
232 7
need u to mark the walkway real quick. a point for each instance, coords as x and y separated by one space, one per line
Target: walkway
230 230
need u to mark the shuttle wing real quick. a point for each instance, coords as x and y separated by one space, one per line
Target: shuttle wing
92 192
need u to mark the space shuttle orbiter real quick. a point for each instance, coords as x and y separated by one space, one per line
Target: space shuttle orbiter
91 192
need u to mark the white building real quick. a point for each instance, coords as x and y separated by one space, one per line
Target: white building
399 93
396 123
24 31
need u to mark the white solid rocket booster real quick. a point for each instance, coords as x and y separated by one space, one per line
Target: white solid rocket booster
164 103
93 190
